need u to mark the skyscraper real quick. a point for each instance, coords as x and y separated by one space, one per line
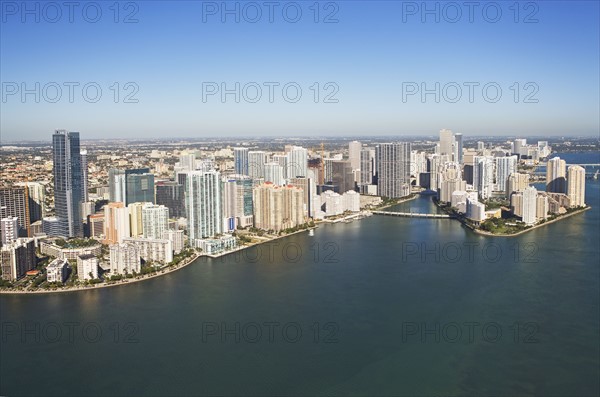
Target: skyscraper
483 175
446 143
367 166
556 175
342 176
37 197
505 166
116 223
256 163
278 207
576 185
14 202
354 149
172 196
203 204
84 177
67 182
458 144
297 162
529 205
131 186
393 169
240 159
155 220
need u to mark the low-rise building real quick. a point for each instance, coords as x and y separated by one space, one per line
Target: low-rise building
87 267
57 271
125 259
153 250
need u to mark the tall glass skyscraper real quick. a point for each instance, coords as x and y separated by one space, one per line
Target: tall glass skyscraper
131 186
240 158
203 204
67 182
393 169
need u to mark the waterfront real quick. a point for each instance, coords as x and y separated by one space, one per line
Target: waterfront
371 279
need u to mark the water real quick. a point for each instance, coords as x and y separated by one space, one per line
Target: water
368 284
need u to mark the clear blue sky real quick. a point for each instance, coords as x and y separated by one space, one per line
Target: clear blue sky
369 53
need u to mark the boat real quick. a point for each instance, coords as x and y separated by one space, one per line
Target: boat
311 232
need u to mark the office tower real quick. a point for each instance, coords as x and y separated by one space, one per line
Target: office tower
172 196
278 207
187 162
125 259
136 223
516 182
505 166
256 163
14 202
297 162
9 227
17 258
393 169
354 149
520 147
274 173
84 176
556 176
116 223
131 186
87 267
203 205
155 219
446 143
529 205
67 182
240 159
458 144
244 206
37 197
576 186
342 177
483 176
367 166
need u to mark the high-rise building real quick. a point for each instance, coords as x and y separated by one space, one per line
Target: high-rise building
87 267
458 145
576 185
278 207
203 205
155 219
136 223
354 149
297 162
556 175
187 162
57 271
529 205
256 163
125 259
342 177
67 182
37 197
483 176
393 169
240 159
116 223
84 176
177 239
274 173
447 143
14 202
17 258
367 166
505 166
9 228
542 206
520 147
516 182
171 195
131 186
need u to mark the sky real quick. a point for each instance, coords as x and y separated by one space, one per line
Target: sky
150 69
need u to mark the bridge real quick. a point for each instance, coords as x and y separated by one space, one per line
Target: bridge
413 214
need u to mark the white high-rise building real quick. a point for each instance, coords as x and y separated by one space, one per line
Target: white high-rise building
187 162
177 239
354 149
124 258
556 175
483 176
203 204
136 222
516 183
240 159
297 162
393 169
274 174
116 223
447 143
10 229
529 213
155 220
256 163
576 185
520 147
87 267
505 166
